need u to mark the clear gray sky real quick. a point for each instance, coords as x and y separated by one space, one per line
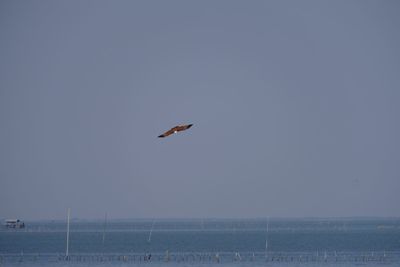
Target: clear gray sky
295 106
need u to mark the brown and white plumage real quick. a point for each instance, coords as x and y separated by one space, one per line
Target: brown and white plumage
175 130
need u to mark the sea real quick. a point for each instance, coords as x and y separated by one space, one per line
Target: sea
283 242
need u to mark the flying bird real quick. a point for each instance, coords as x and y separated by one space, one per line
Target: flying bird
175 130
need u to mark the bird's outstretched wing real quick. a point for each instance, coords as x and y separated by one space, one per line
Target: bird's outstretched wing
175 130
167 133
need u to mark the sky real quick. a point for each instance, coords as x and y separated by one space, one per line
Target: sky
295 106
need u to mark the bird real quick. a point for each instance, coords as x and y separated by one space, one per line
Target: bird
175 130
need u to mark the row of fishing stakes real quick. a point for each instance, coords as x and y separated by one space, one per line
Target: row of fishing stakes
207 256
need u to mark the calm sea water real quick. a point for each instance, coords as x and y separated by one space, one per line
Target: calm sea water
278 242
